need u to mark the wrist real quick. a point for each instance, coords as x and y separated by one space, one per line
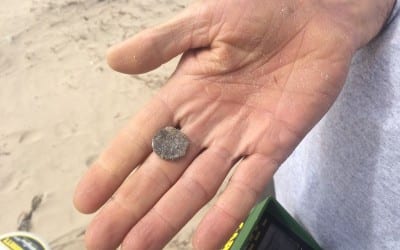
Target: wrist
361 20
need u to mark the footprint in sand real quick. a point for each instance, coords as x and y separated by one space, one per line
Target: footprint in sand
65 130
29 137
5 62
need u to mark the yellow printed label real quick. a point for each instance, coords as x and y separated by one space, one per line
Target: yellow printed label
231 240
12 245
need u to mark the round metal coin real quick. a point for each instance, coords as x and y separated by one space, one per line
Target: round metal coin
170 143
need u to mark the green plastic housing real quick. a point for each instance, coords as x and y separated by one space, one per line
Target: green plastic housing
269 211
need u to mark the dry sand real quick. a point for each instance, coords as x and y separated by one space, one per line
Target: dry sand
60 103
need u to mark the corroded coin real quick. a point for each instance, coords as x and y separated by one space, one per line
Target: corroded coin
170 143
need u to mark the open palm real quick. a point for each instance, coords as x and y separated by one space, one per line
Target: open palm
254 78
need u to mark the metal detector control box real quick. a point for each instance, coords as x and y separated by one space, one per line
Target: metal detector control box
270 227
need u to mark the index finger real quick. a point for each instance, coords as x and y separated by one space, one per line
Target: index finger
127 150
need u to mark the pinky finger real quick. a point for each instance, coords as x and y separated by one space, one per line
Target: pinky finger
235 203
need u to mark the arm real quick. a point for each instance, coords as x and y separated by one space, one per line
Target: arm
254 78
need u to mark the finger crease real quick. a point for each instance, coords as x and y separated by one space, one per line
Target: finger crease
196 185
168 180
226 213
101 165
120 203
245 187
222 153
169 224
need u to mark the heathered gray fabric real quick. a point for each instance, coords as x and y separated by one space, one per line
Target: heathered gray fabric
343 181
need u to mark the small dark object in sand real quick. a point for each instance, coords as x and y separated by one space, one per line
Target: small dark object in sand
170 143
25 219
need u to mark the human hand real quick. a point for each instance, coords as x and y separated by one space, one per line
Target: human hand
255 77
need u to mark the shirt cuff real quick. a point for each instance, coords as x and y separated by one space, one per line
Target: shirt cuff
395 12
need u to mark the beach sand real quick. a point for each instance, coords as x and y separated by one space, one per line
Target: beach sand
60 104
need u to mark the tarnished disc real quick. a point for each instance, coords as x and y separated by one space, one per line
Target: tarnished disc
170 143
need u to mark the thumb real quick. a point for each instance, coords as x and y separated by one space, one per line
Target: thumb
153 47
